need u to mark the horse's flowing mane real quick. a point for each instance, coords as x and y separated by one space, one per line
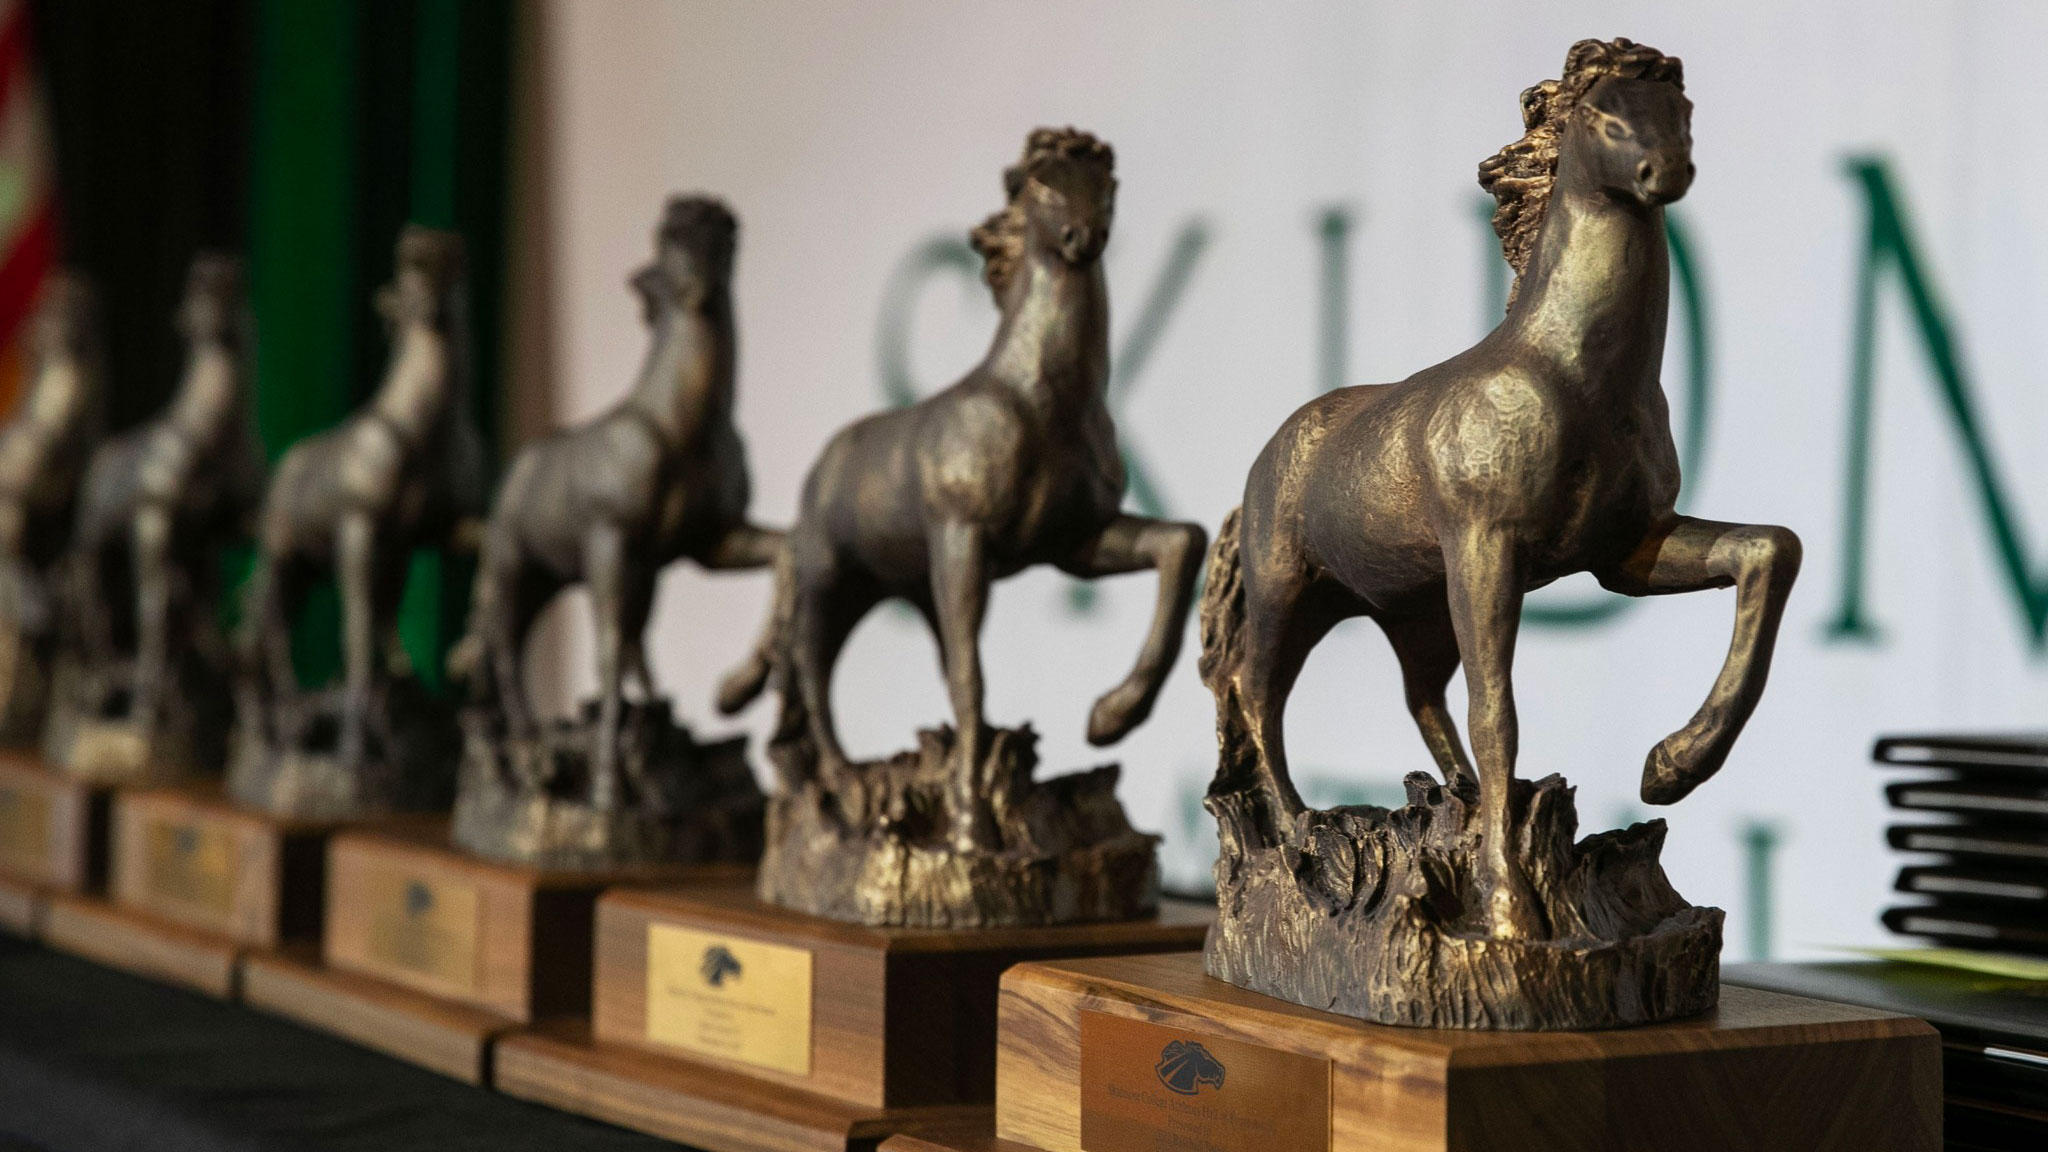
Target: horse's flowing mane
699 224
1000 239
1520 175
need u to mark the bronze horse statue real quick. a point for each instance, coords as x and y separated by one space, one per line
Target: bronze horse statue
1014 465
1435 504
405 471
43 455
661 476
160 498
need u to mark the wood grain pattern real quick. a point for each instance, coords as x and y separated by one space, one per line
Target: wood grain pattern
140 943
1763 1071
74 820
21 907
558 1065
446 1038
277 888
533 931
900 1017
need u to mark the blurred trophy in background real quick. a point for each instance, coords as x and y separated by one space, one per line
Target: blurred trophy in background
660 477
142 685
404 472
1016 465
43 454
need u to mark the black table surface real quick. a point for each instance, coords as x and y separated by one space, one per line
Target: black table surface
95 1060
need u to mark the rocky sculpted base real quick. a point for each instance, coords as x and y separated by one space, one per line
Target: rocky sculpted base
874 851
1368 912
526 801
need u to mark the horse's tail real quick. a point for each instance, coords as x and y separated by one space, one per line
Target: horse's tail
745 683
1223 641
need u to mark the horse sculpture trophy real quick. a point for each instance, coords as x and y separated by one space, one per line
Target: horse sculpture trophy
402 473
43 453
660 477
1432 506
1015 465
142 691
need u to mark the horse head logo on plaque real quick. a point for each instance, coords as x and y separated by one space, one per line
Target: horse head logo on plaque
719 965
1184 1066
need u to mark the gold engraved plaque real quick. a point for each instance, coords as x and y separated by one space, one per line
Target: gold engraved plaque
729 997
424 928
190 863
24 829
1152 1088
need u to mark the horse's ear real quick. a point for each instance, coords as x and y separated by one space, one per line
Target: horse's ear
653 289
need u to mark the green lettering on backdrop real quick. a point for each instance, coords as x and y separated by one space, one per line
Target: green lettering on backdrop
948 255
1889 242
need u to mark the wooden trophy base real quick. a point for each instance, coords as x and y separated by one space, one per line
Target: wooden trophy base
430 953
1145 1052
196 882
53 838
451 1039
737 1026
107 933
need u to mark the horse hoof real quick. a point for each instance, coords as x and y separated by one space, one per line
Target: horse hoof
1664 782
1113 717
742 685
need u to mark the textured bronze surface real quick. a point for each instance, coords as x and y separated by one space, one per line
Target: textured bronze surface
43 454
142 692
1014 465
1432 506
404 472
660 477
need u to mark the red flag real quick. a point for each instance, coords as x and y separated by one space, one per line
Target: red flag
28 193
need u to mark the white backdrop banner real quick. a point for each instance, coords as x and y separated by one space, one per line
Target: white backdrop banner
1854 353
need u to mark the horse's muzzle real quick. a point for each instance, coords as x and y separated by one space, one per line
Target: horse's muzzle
1663 177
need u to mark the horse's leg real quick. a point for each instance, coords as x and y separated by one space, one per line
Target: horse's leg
959 580
1686 555
744 546
1427 647
826 603
1485 593
152 544
636 604
356 569
1128 544
740 686
1281 627
604 571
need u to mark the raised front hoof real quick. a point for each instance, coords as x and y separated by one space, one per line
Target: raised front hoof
1119 711
1666 780
741 686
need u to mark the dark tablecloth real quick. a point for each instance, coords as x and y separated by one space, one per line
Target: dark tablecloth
93 1060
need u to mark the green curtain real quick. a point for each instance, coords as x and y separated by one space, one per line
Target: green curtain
367 116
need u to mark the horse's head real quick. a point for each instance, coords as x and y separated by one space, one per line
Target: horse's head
212 309
426 281
1635 136
66 316
693 250
1617 122
1062 201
